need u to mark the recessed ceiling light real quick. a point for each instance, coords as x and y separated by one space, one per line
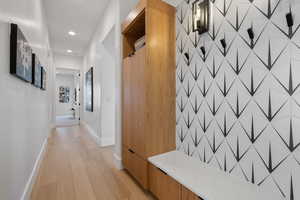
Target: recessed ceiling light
72 33
69 51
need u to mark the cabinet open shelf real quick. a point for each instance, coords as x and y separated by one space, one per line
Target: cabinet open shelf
134 31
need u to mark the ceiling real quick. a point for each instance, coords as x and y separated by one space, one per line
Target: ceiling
80 16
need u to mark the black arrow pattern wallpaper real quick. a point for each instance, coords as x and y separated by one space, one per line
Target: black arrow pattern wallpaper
238 91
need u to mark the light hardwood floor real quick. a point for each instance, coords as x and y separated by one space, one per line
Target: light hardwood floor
75 168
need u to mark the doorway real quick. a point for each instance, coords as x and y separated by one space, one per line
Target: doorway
67 99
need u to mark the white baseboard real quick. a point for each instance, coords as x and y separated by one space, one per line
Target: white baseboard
109 141
34 173
91 132
102 142
118 162
67 123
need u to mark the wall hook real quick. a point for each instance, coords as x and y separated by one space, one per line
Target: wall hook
187 56
223 43
250 33
289 19
203 50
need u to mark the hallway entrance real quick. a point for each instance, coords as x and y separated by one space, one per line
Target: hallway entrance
67 97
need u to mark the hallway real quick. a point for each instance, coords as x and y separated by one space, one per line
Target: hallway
150 100
75 168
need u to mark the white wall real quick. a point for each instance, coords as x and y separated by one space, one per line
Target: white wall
103 121
65 80
67 62
25 111
105 44
109 29
126 7
106 66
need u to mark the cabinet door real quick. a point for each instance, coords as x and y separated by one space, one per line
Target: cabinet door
139 83
127 102
136 166
163 186
188 195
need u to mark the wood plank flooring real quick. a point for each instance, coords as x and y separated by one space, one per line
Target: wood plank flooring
75 168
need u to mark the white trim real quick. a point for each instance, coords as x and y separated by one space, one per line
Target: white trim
102 142
59 69
34 173
108 141
91 132
65 123
118 162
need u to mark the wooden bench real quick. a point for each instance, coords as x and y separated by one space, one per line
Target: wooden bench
176 176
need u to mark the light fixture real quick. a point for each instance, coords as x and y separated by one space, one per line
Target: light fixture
69 51
201 16
72 33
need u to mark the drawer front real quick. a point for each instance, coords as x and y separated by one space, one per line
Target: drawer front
136 166
188 195
163 186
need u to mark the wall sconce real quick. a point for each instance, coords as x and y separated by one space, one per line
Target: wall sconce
201 16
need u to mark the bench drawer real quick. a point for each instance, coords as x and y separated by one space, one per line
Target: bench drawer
163 186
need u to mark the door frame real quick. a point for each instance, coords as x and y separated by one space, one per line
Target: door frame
74 72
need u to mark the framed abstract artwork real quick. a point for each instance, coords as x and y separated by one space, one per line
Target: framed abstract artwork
20 55
44 78
89 91
64 94
36 71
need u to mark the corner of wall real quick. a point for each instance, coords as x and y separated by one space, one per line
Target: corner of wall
118 162
107 141
101 141
91 132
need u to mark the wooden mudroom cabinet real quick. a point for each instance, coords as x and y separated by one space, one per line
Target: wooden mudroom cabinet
148 86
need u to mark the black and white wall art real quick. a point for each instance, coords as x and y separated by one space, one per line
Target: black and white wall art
89 93
20 55
36 71
44 78
64 94
238 91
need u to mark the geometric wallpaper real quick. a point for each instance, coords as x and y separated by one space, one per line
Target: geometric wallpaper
238 104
